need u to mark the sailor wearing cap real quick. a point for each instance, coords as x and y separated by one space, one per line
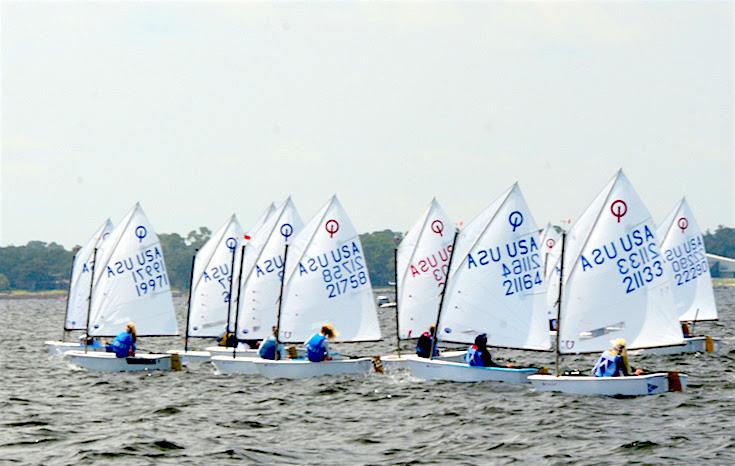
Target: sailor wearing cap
614 362
317 346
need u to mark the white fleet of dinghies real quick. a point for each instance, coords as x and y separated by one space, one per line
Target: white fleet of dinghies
130 284
613 286
210 288
422 264
326 281
607 278
77 301
496 287
261 286
685 262
239 263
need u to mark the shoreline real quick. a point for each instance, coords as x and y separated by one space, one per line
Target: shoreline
61 294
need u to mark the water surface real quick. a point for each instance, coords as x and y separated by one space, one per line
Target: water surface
53 414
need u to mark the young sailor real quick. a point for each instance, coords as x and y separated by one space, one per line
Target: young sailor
478 354
227 340
614 362
124 343
269 348
317 346
424 343
91 342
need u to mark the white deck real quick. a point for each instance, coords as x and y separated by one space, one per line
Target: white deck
58 348
650 384
108 362
461 372
302 368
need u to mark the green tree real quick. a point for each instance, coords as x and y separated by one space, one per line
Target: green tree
721 242
379 247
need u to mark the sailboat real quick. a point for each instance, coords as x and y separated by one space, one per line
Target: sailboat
326 281
496 287
239 265
550 245
256 307
130 284
613 285
682 247
77 300
422 262
209 295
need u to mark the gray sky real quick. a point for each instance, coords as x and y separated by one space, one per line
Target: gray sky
199 110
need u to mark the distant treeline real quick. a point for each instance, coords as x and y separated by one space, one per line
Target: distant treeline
39 266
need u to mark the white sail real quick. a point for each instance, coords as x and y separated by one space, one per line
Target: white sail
261 285
327 280
81 275
210 291
423 257
682 246
496 284
251 236
549 247
131 283
614 280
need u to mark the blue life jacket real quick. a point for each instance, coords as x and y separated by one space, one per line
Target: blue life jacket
473 357
316 348
424 344
268 348
608 365
122 344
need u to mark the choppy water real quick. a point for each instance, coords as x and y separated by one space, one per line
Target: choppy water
51 414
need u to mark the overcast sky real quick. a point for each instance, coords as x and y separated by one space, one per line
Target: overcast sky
199 110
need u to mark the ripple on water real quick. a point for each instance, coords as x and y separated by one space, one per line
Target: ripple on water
53 414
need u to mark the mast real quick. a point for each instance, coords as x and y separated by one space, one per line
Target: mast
89 303
558 303
188 305
444 292
280 299
68 295
395 277
229 300
237 305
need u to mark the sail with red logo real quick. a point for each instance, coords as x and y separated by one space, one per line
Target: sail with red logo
327 281
614 283
682 246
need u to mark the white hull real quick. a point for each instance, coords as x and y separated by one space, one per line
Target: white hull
58 348
302 368
237 365
190 358
461 372
393 361
107 362
693 345
651 384
225 351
